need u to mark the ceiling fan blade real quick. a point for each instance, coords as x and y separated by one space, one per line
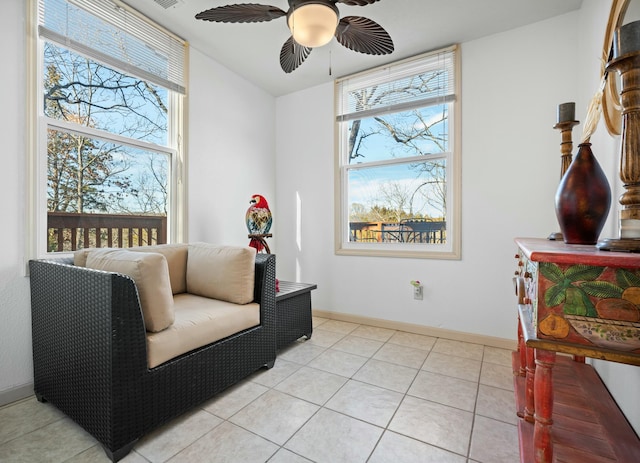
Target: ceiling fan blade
292 55
364 35
242 13
357 2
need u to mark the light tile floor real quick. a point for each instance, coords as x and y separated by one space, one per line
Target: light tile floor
352 393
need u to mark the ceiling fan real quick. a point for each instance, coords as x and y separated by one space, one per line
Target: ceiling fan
313 23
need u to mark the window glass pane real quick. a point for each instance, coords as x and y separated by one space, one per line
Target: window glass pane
79 90
104 194
110 81
403 202
399 163
406 134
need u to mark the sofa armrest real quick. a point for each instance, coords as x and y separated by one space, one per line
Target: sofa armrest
265 293
89 344
86 309
265 264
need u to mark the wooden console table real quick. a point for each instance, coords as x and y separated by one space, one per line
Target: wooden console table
575 300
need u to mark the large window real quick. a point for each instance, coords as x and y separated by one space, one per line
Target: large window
398 165
108 160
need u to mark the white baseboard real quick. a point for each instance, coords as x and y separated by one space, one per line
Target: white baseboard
419 329
15 394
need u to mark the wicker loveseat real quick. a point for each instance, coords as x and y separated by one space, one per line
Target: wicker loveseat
90 357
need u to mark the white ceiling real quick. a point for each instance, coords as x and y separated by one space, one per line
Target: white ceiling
416 26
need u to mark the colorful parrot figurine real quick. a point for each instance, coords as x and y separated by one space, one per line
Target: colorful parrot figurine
258 219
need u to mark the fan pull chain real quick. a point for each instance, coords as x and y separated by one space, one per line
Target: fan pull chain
329 61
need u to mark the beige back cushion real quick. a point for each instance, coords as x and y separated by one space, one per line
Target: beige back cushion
150 273
226 273
80 257
176 255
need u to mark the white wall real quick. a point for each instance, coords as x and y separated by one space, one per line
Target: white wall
510 171
512 85
15 329
231 151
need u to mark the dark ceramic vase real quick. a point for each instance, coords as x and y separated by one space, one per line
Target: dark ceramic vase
583 199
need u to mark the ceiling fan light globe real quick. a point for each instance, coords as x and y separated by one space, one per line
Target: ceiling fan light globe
313 25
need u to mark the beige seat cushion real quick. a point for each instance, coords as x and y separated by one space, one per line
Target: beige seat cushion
150 273
221 272
199 321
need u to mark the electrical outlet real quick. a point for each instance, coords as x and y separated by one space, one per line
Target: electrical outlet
417 292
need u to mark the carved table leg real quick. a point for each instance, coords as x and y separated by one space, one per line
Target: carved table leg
543 394
529 393
522 351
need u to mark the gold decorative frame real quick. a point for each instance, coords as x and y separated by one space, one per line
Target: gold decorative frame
625 61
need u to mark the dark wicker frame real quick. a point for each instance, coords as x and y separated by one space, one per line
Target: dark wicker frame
293 307
90 355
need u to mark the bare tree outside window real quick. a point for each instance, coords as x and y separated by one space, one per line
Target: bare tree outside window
414 189
88 174
396 155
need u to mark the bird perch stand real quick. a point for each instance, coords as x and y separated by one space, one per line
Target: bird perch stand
261 238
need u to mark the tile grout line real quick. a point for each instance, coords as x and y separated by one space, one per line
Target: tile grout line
475 406
368 357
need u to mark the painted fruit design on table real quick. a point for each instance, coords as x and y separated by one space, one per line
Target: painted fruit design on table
600 303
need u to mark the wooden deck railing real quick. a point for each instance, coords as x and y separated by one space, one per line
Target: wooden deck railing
407 231
68 231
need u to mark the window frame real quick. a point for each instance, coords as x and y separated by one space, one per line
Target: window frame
38 124
450 250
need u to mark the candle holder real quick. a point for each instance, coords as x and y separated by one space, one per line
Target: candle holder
566 112
626 61
566 145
